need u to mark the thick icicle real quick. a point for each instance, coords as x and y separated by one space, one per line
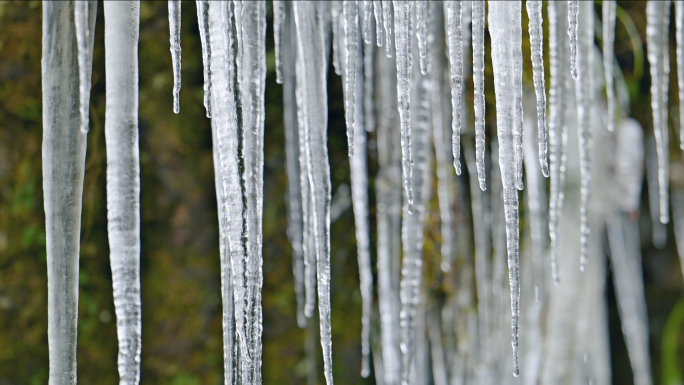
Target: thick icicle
368 82
122 24
559 69
515 36
174 38
478 81
313 23
585 90
388 20
351 53
573 13
336 10
402 21
534 12
84 38
657 28
455 49
202 20
421 33
608 24
278 24
679 20
367 15
501 25
377 8
64 149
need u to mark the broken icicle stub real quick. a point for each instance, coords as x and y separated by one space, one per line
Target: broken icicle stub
174 39
351 45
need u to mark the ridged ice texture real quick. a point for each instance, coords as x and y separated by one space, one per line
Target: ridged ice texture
515 36
85 35
377 9
657 28
278 23
122 24
174 39
573 12
421 7
501 25
584 89
679 20
608 24
351 53
367 16
559 44
534 12
368 86
63 153
313 23
295 225
402 23
336 10
412 228
455 49
625 256
479 95
202 20
388 20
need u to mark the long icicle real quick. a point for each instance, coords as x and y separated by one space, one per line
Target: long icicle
335 11
64 149
174 39
657 27
478 81
534 12
351 53
679 20
123 179
313 23
83 12
500 14
402 22
278 24
585 91
515 37
608 24
455 48
573 12
203 21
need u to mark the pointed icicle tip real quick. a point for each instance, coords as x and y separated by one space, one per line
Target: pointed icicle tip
410 208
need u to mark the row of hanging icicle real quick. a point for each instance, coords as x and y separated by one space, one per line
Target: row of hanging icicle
447 41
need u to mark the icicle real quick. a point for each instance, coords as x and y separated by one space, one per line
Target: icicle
439 369
678 211
658 17
534 12
84 40
608 23
351 44
377 8
679 21
421 33
202 19
368 75
64 150
312 22
573 13
336 10
516 45
478 80
502 17
367 13
659 230
559 68
402 21
388 20
174 37
585 91
278 23
455 49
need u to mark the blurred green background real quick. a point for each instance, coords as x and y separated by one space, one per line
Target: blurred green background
180 259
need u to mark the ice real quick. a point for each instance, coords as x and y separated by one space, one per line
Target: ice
453 28
678 211
377 8
368 85
478 81
515 36
573 14
85 13
421 8
608 24
659 230
336 10
367 13
534 12
278 25
388 20
174 39
679 21
351 52
202 20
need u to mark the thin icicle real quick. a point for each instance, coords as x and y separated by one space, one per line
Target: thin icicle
608 23
679 20
388 20
515 36
402 21
657 28
63 153
455 48
84 38
573 12
502 17
421 33
367 15
313 23
377 8
174 38
585 91
123 179
659 230
202 19
368 82
351 45
534 12
478 81
278 23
